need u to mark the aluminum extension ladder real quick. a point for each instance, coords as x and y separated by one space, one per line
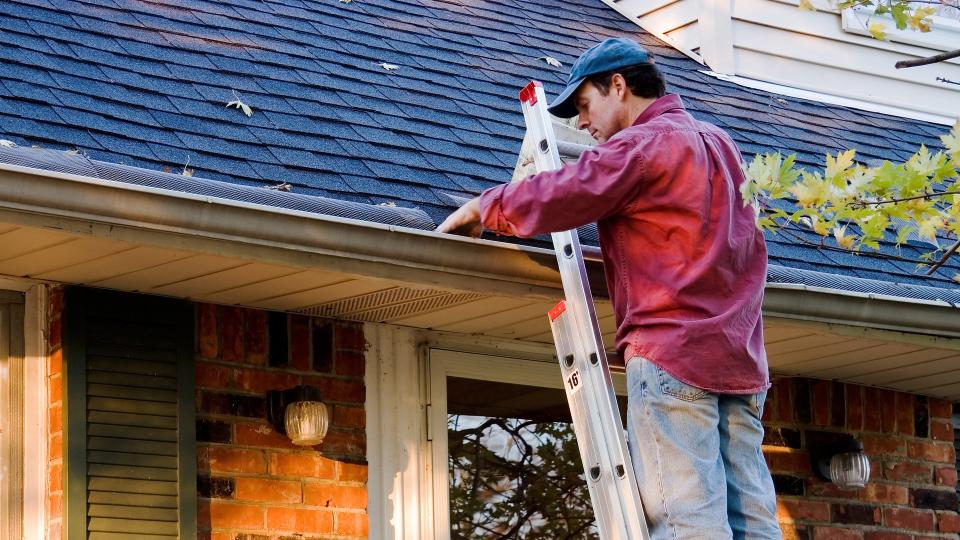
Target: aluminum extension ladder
583 362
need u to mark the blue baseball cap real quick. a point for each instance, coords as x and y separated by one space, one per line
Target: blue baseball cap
611 54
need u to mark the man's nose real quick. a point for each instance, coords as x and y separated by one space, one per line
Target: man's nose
582 122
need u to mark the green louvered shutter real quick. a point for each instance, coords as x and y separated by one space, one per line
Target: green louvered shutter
131 466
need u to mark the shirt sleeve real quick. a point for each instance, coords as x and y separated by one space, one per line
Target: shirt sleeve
604 180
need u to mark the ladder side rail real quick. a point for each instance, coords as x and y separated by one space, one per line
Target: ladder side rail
587 343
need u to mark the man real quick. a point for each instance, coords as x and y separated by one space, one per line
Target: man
685 266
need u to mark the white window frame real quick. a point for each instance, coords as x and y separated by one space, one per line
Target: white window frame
449 363
944 34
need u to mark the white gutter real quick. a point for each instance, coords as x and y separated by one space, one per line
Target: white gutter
143 215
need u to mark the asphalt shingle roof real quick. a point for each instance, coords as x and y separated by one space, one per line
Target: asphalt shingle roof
145 84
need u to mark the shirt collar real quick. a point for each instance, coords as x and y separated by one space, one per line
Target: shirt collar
663 104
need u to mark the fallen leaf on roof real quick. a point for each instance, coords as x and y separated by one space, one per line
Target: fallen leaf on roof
279 187
242 106
7 144
187 171
551 60
389 67
388 204
345 1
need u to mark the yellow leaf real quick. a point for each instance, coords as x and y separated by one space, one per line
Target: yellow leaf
842 239
920 18
956 277
807 5
842 162
878 30
952 140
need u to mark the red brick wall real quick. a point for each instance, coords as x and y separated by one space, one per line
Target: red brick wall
55 418
909 439
253 483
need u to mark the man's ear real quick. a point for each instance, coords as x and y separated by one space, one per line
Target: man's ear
619 85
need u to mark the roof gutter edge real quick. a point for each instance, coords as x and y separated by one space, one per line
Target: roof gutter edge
114 210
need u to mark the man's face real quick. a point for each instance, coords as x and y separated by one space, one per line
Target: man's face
599 114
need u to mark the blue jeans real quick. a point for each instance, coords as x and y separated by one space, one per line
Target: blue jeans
697 458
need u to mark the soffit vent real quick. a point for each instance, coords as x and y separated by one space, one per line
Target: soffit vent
391 304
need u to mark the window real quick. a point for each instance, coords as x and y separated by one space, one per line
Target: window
510 464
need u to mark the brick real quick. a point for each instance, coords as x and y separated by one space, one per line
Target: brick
836 533
55 388
886 535
300 342
788 462
300 520
214 431
55 505
800 392
222 459
905 471
231 333
324 349
800 510
344 443
872 420
945 476
352 472
55 446
213 487
268 490
885 493
334 496
233 404
921 417
310 465
207 375
934 499
208 342
352 524
342 390
349 417
262 435
792 531
350 337
350 363
55 477
888 410
838 404
907 518
855 514
941 430
780 436
784 405
940 408
905 413
785 484
932 451
948 522
875 445
854 397
217 514
255 336
55 418
55 365
820 488
260 380
821 402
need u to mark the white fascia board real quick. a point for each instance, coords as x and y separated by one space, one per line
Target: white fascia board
620 7
833 99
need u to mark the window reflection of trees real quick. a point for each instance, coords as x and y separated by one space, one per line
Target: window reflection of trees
512 478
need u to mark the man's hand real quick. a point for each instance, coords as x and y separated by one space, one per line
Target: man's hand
465 220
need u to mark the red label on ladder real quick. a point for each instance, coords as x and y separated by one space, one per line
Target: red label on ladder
529 92
557 310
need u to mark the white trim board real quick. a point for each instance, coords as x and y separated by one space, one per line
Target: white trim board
832 99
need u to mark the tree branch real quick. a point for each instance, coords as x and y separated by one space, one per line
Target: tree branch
864 204
943 260
928 60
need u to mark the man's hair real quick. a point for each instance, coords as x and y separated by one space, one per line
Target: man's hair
643 80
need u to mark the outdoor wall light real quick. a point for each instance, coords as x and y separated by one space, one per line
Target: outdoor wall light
299 413
842 462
